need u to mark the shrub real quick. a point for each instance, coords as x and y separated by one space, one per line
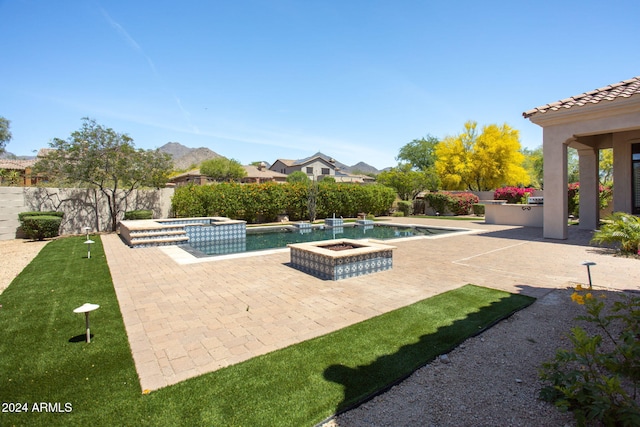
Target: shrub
22 215
456 203
622 229
406 207
598 379
252 202
462 202
513 195
605 196
574 199
438 201
397 214
138 214
40 227
478 209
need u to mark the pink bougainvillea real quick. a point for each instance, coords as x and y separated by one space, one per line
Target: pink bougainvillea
512 194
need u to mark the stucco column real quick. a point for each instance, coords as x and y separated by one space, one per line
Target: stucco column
589 188
554 152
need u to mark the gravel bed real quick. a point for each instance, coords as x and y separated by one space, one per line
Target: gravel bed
15 255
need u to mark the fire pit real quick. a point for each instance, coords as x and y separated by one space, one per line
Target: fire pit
341 259
340 246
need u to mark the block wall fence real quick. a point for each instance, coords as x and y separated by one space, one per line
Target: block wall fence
83 207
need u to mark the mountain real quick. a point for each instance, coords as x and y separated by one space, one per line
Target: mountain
364 168
185 157
175 149
11 156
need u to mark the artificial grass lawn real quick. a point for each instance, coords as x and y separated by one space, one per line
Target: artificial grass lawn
43 357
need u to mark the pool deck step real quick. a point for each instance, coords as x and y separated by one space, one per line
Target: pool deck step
143 234
146 234
164 232
158 241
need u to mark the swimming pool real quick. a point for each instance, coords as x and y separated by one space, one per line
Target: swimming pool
263 238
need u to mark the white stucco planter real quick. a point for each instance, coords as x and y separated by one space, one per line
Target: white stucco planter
506 214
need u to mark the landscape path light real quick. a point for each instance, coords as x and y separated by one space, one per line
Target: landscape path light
86 309
589 264
88 242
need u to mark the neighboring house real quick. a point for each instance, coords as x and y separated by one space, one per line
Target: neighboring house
358 179
317 168
258 174
255 174
190 177
608 117
17 173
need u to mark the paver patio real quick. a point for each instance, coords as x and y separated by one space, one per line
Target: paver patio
187 319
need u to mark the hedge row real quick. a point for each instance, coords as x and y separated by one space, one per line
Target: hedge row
456 203
264 202
138 214
40 225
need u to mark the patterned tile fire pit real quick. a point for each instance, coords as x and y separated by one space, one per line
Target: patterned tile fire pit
342 258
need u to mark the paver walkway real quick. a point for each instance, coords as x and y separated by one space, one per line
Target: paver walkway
184 320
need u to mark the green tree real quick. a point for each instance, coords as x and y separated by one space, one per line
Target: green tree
419 152
406 181
102 158
573 165
5 134
534 165
297 176
485 161
606 167
222 169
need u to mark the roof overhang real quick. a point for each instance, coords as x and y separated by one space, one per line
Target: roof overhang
602 110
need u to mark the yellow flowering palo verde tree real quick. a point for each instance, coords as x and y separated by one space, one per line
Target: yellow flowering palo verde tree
481 161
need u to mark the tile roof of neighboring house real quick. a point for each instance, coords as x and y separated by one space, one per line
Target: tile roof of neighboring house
624 89
255 172
287 162
252 172
16 164
192 172
44 151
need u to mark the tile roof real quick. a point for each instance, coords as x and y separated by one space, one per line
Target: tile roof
624 89
254 172
16 164
286 162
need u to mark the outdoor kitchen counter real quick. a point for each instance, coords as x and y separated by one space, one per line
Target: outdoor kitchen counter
529 215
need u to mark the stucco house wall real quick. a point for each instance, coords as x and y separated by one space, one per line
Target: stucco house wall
608 117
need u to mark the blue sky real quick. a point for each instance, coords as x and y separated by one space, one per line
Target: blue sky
261 80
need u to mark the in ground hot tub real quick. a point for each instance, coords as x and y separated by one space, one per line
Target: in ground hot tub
341 258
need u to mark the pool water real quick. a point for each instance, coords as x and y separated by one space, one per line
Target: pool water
258 239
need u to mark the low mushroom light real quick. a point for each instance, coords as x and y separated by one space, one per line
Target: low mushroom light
86 309
88 243
589 264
